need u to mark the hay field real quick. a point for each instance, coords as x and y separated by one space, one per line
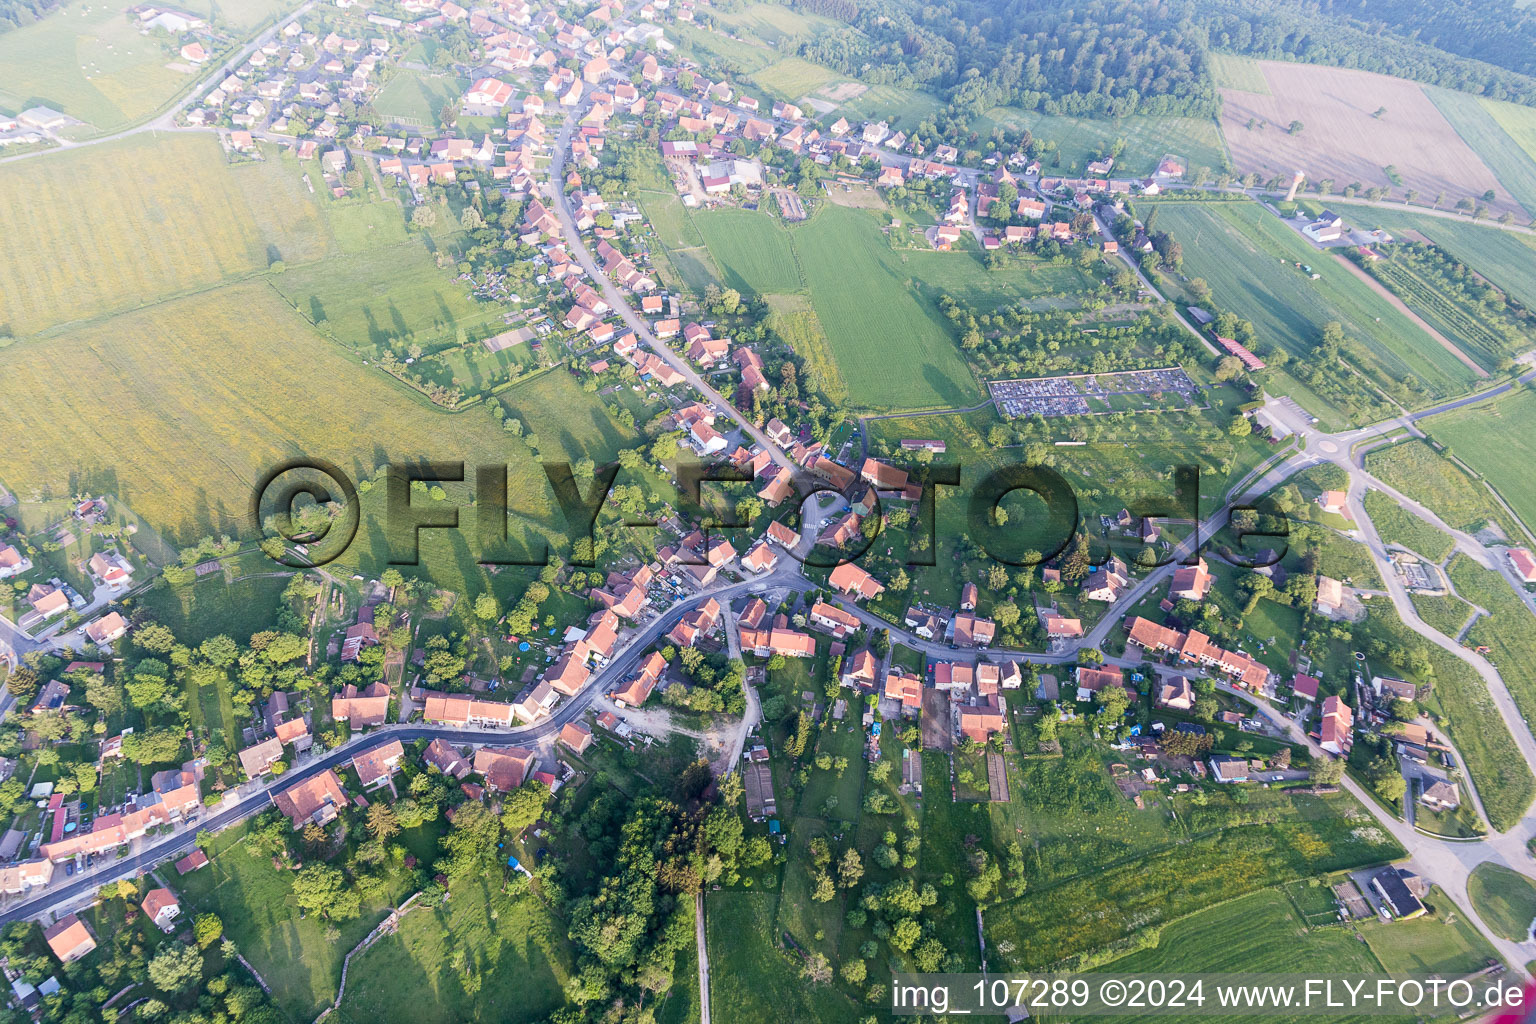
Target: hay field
1341 140
793 320
894 349
119 225
1239 248
88 60
1519 122
1474 120
393 293
179 408
1495 439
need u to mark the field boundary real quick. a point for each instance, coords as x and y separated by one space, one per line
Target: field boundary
1402 307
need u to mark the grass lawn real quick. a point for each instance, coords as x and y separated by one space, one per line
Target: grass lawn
1344 559
794 320
1243 252
248 15
418 97
482 956
1502 777
1505 630
1447 613
1147 140
126 223
752 980
90 61
1398 526
792 78
362 223
1445 943
837 739
771 23
1494 438
1073 815
736 55
801 916
901 108
945 826
670 220
1245 935
876 308
1417 470
179 409
681 1004
1504 899
297 958
567 420
1241 73
208 607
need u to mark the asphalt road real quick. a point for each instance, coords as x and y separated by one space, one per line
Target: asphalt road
633 320
259 799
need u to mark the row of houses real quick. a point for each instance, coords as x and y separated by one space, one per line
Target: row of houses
1195 647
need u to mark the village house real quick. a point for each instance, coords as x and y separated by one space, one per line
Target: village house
1107 582
446 759
576 736
454 709
504 768
861 669
973 631
1305 686
637 689
1520 560
904 688
1228 769
1191 582
855 582
362 709
69 938
1336 732
1175 693
316 800
1441 795
833 619
259 759
161 907
1195 647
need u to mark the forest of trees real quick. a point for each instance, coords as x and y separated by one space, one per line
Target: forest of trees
15 13
1478 46
1116 57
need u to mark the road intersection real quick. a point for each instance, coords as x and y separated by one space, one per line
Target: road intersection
1449 864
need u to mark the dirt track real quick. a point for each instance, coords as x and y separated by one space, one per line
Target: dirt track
1382 290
